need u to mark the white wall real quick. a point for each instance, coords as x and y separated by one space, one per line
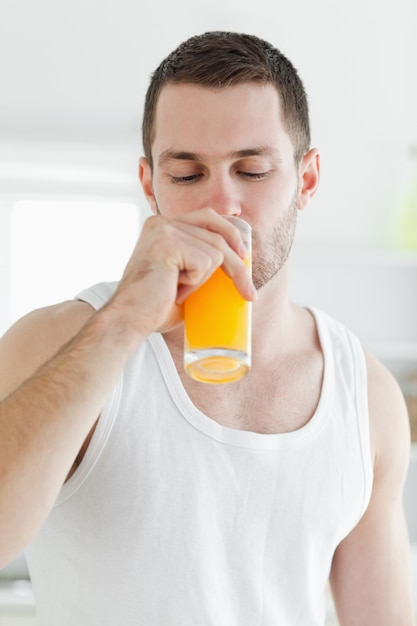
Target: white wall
79 70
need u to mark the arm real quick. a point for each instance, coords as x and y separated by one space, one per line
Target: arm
52 392
370 577
60 387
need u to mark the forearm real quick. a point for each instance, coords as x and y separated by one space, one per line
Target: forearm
44 423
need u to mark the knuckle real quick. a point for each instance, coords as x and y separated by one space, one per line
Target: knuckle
217 240
218 258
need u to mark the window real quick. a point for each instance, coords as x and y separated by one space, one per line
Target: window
58 248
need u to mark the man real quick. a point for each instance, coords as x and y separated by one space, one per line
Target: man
187 503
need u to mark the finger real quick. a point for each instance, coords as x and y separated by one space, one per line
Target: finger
205 247
211 221
236 269
190 253
229 241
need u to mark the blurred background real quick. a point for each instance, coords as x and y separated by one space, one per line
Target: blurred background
73 78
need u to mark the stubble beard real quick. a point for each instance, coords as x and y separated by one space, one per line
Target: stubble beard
271 254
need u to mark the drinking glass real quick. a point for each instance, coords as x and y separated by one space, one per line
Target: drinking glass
217 325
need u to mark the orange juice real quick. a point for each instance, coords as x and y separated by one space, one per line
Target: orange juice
217 331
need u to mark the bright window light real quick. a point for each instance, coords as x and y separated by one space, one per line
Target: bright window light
59 248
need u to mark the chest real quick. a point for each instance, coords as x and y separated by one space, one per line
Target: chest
281 398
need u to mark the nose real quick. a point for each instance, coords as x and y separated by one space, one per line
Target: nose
223 196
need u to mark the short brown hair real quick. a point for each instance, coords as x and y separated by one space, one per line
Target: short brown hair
220 59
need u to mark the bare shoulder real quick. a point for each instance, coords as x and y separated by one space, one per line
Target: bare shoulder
35 338
389 423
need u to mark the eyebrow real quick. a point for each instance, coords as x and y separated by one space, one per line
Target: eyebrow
181 155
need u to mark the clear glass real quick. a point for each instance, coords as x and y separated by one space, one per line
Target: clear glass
217 325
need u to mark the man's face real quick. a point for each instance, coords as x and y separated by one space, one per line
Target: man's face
227 149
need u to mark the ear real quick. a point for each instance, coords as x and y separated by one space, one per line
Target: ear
309 177
145 177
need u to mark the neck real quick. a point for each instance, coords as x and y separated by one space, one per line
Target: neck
272 316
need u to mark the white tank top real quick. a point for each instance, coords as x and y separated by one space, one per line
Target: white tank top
174 520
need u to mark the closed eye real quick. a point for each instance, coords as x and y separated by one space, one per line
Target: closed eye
254 175
183 180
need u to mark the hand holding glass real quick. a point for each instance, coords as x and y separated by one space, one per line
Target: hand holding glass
217 325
